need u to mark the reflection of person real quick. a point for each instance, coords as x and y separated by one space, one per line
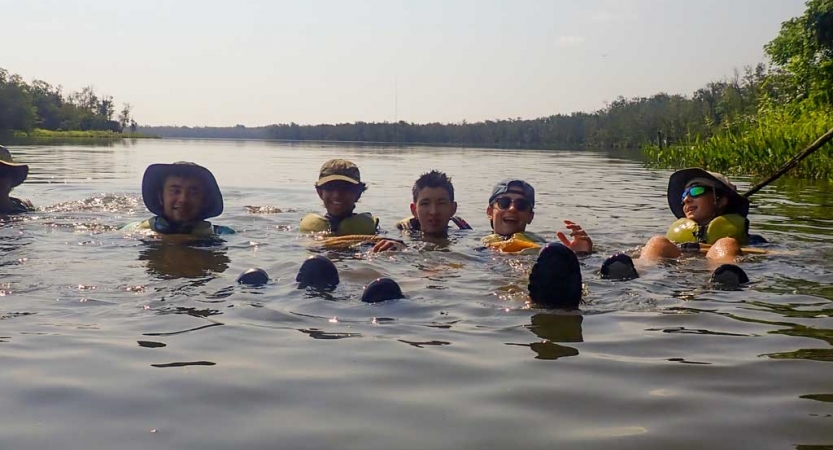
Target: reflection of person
339 187
709 210
554 328
511 209
168 260
182 195
12 175
432 210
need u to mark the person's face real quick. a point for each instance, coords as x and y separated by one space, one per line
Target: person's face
183 199
339 197
510 219
701 208
433 209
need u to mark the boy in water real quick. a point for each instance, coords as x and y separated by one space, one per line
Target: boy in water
511 209
709 211
432 209
12 175
181 195
340 186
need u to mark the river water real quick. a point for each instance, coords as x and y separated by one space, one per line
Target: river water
110 341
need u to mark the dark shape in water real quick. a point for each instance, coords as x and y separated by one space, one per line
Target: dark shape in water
317 272
184 364
555 280
728 277
253 277
381 289
618 267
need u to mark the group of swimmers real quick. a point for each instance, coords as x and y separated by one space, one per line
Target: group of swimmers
711 215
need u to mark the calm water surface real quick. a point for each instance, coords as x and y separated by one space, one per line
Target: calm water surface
109 341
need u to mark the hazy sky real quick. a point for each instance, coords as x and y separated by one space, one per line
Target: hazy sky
257 62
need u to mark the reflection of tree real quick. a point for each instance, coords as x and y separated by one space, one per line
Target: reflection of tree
175 260
554 328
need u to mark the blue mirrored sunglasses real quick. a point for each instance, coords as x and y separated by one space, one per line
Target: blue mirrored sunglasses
693 192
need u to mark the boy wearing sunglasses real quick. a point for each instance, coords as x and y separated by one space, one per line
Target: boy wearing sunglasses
555 280
709 211
511 209
340 186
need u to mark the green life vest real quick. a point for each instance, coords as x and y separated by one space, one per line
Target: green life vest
728 225
364 224
201 229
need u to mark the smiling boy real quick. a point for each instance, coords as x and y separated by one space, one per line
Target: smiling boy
511 209
339 187
181 195
709 211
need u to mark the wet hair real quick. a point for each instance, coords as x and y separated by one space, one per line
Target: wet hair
433 179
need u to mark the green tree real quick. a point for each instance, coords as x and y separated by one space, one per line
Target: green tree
804 49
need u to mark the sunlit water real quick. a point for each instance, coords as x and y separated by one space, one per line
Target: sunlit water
109 341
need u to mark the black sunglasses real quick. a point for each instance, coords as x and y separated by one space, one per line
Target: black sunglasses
521 204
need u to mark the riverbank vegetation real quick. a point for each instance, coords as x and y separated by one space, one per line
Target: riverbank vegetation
794 108
44 110
39 133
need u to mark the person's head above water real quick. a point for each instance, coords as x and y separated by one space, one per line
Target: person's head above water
511 207
701 196
433 204
182 192
11 173
339 186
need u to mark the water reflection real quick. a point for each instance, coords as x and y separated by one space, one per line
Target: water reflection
554 328
173 260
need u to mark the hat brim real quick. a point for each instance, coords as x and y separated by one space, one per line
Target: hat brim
329 178
154 180
17 172
738 204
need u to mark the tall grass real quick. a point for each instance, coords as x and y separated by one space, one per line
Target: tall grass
758 145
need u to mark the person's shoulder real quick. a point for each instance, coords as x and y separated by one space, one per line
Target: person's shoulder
408 224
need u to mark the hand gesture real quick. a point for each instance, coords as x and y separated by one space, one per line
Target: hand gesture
581 242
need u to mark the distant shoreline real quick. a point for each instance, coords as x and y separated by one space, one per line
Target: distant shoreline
39 133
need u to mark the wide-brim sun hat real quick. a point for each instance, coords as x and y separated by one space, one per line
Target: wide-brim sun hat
154 180
17 172
678 181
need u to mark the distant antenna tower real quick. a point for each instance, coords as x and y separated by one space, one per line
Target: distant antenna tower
396 108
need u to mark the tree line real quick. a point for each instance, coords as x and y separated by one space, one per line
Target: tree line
27 106
622 123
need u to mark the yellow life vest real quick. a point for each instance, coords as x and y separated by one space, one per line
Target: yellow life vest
728 225
364 224
515 243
